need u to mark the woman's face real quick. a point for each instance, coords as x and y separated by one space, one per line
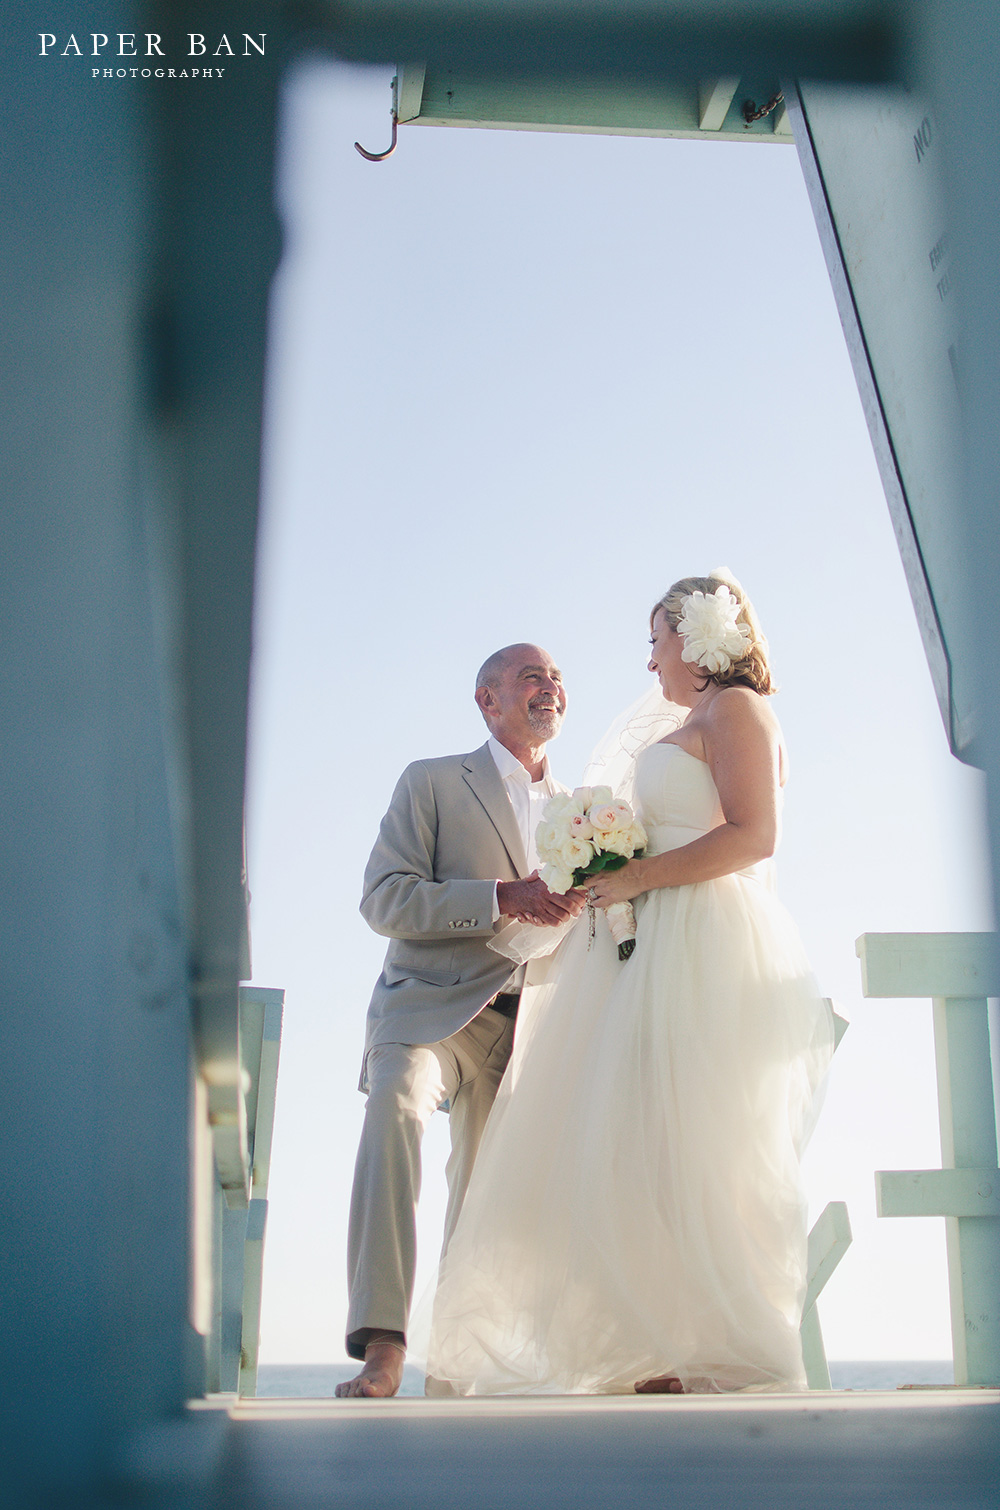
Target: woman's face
677 683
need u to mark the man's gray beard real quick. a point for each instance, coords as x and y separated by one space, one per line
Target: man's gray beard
544 722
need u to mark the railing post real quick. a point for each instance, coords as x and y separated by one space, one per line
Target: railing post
829 1240
969 1141
261 1010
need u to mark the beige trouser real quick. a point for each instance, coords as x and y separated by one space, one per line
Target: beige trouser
407 1083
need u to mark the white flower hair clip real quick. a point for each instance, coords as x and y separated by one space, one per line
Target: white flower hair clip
708 626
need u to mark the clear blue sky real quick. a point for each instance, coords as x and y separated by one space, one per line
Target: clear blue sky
519 383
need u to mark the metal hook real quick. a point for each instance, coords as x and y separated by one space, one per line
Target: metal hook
380 157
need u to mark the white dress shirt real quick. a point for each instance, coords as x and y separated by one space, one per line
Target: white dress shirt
527 798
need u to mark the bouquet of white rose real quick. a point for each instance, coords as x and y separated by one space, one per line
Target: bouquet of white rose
583 833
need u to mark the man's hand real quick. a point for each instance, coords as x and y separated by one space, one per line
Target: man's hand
531 901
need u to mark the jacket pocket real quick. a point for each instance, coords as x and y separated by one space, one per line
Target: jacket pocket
395 973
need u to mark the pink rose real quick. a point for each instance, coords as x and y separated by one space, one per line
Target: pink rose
605 818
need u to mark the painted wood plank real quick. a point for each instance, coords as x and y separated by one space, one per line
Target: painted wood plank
253 1279
814 1351
409 90
261 1010
640 107
879 206
714 99
928 964
938 1192
829 1240
840 1022
973 1244
966 1109
227 1118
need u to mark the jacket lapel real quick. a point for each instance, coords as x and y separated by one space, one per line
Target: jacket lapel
480 771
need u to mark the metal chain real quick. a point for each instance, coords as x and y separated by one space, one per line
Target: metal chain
751 113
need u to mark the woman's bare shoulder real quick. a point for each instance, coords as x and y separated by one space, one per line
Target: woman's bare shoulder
741 721
741 707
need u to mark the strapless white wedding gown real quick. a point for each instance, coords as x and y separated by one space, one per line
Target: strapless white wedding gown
636 1208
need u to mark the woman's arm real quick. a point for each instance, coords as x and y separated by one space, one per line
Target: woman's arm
742 749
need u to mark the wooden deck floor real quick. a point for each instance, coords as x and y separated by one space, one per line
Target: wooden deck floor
933 1448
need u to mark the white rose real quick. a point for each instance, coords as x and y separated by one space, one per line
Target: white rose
600 795
562 805
574 854
556 879
548 837
620 842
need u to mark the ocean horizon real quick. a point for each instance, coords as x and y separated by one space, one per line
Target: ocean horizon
317 1381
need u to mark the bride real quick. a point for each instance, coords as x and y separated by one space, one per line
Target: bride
635 1219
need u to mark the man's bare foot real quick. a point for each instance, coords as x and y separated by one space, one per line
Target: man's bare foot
381 1375
660 1384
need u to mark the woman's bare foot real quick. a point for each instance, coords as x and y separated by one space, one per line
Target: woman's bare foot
381 1375
660 1384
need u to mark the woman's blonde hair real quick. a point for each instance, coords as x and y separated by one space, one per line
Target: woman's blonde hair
752 669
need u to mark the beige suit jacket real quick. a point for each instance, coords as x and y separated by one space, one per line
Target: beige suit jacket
449 834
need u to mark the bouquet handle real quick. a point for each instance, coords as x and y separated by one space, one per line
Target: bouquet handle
621 921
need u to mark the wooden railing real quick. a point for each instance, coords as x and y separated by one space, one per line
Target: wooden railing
238 1239
958 971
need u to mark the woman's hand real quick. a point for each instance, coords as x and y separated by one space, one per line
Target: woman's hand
622 885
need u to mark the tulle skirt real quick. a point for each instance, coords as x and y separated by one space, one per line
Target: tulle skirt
636 1207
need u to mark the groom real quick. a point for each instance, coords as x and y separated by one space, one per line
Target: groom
454 861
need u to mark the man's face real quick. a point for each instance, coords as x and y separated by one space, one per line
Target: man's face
527 703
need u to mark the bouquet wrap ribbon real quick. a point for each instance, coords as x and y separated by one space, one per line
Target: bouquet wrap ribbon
621 921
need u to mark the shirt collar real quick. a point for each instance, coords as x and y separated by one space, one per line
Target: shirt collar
510 767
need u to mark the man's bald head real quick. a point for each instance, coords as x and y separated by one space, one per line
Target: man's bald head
494 667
